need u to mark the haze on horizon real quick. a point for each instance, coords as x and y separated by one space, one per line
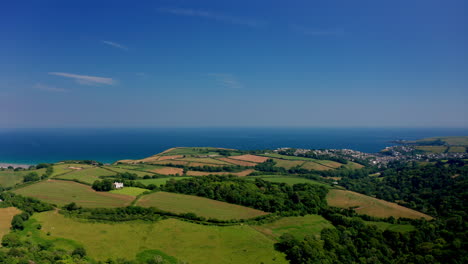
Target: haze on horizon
234 63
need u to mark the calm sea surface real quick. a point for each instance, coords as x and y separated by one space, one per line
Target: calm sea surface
31 146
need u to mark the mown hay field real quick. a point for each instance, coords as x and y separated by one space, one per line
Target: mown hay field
192 243
168 171
298 226
6 215
287 164
238 162
64 192
314 166
370 206
251 158
181 203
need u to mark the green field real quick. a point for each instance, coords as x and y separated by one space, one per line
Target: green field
185 241
134 169
89 175
286 179
287 164
160 181
432 149
64 192
453 141
132 191
298 226
391 227
205 160
457 149
181 203
370 206
9 178
62 168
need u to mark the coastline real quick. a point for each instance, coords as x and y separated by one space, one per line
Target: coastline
14 165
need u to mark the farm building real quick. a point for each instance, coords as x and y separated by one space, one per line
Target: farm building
118 185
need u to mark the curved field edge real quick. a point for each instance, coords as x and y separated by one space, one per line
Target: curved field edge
371 206
63 192
6 215
182 203
185 241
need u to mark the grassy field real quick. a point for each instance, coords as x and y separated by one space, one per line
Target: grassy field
205 173
287 179
181 203
9 178
314 166
86 175
457 141
64 192
133 170
298 226
160 181
6 214
391 227
287 164
65 168
185 241
370 206
457 149
433 149
132 191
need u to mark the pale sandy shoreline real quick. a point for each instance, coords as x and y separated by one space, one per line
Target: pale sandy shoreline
14 165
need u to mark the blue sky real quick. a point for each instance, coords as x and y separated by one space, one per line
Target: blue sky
234 63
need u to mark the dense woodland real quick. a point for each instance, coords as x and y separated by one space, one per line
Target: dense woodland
258 194
439 189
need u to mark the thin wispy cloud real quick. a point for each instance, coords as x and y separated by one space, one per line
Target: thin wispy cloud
115 44
317 32
85 79
49 88
214 16
226 80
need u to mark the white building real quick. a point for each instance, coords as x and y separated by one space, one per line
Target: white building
118 185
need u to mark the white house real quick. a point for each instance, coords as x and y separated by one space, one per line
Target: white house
118 185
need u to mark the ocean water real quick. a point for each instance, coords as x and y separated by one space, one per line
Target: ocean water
32 146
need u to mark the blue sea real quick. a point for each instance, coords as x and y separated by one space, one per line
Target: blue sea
32 146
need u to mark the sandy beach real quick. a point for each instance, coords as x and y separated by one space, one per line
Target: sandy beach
6 165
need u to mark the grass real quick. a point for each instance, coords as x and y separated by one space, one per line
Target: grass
133 170
6 215
64 168
185 241
433 149
160 181
288 180
87 175
286 157
287 164
457 149
298 226
314 166
144 168
370 206
132 191
9 178
459 141
181 203
403 228
65 192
